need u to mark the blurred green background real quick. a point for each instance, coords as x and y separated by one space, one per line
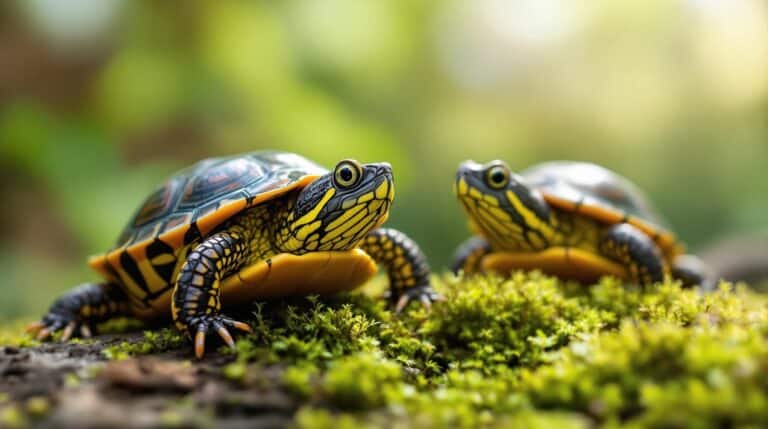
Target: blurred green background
101 100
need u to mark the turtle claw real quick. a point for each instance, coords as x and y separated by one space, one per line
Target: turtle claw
53 323
85 331
200 344
34 327
423 294
43 334
401 303
241 326
219 324
226 337
68 331
49 327
426 302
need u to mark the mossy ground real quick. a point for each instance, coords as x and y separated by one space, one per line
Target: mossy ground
529 351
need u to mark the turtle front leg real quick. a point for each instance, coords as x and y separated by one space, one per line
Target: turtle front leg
469 256
691 271
639 254
78 310
197 297
406 265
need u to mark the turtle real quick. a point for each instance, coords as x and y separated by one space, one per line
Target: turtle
574 220
231 230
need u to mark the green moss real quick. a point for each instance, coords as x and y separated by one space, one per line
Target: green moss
299 379
363 381
235 371
13 334
308 329
535 350
527 351
38 406
491 324
120 325
660 373
152 342
171 419
11 417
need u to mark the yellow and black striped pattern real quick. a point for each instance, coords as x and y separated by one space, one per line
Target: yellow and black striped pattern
357 216
567 212
198 294
406 265
81 308
634 249
469 256
504 220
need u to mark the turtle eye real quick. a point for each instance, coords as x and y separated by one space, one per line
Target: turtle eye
347 173
497 176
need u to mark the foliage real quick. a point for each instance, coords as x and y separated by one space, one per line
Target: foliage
525 349
495 324
662 375
363 381
528 350
656 357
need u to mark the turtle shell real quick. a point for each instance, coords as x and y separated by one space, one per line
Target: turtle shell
191 204
197 199
601 194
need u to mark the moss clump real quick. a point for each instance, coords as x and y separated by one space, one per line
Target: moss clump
660 374
12 417
300 379
152 342
235 371
13 334
305 330
490 324
669 302
317 418
363 381
120 325
38 406
534 351
314 331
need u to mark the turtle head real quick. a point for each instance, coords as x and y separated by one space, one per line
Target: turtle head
502 207
338 209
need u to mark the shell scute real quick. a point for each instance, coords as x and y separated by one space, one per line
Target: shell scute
588 184
225 178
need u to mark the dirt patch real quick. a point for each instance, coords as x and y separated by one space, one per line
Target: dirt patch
72 385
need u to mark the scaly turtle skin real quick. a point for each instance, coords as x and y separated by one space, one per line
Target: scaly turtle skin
571 219
246 227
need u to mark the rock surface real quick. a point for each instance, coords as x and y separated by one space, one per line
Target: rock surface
73 385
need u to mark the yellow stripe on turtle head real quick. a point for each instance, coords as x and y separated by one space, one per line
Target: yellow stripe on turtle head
531 219
463 187
383 190
503 218
312 214
339 219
